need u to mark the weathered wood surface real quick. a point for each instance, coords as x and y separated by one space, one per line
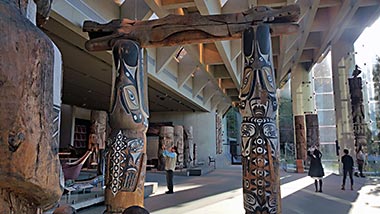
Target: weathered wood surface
300 131
188 144
99 118
175 29
357 109
167 136
312 130
178 141
29 165
43 11
258 106
219 134
126 157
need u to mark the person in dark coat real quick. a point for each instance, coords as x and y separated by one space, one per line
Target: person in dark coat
348 165
316 169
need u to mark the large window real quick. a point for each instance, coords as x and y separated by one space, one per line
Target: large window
367 57
285 120
325 107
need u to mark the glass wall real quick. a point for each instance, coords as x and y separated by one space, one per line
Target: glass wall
324 105
285 123
367 57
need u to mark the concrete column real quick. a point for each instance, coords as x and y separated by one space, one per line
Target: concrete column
303 103
343 64
302 91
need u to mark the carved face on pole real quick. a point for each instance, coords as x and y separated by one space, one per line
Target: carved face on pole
128 94
259 133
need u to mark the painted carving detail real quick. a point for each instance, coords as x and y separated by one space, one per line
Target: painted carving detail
258 129
126 157
128 122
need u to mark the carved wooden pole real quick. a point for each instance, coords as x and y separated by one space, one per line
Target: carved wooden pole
126 157
260 149
178 141
29 165
312 130
166 139
301 146
188 132
357 109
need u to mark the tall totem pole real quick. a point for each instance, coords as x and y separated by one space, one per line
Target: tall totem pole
260 150
126 158
357 109
260 147
29 164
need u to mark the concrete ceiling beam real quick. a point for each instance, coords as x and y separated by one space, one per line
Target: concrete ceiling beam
208 7
164 55
208 92
156 7
186 68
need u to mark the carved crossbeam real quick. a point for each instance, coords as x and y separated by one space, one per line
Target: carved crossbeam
188 29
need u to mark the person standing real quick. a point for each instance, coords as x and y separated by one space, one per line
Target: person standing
360 160
348 165
316 170
170 163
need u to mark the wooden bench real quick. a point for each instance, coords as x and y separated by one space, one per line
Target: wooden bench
211 160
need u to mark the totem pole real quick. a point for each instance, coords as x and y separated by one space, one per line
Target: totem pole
178 141
166 140
301 146
29 164
126 159
261 178
258 105
219 134
188 134
312 130
356 95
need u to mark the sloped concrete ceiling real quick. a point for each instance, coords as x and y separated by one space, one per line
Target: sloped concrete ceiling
87 81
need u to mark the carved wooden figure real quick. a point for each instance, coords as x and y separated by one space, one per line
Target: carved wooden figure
29 165
166 140
312 130
357 109
301 147
126 159
219 134
100 118
178 141
188 133
260 147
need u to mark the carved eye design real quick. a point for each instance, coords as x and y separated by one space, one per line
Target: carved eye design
131 98
268 79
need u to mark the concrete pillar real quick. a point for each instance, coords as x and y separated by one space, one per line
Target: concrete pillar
302 91
343 63
302 103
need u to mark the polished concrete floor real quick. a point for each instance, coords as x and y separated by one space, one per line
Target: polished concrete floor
220 192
